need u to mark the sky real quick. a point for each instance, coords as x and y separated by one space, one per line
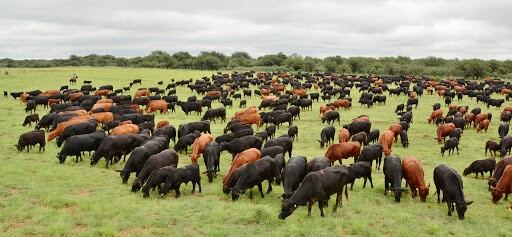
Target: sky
415 28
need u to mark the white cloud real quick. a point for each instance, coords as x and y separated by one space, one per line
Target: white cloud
447 28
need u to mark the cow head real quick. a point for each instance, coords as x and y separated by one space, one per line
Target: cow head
461 208
287 209
322 143
19 147
424 193
467 171
497 194
125 175
61 157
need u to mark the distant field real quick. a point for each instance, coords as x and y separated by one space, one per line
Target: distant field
39 197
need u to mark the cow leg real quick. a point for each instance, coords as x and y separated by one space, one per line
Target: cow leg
260 188
386 187
199 184
457 149
371 182
339 197
178 192
321 207
193 187
310 205
506 196
450 206
269 186
364 183
352 185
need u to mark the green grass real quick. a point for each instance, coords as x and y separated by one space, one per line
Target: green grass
39 197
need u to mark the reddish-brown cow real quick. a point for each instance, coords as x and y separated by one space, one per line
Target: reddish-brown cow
415 177
199 146
337 152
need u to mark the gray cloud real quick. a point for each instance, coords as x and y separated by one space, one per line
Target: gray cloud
446 28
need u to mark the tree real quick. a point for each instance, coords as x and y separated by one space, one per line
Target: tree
271 60
183 59
207 62
472 68
159 59
294 62
240 59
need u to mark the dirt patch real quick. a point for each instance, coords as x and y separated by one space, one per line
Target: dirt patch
81 193
70 208
130 231
14 224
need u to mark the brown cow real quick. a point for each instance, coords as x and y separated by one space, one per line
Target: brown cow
79 112
125 122
452 106
484 125
214 94
75 96
199 146
325 108
51 92
103 117
250 110
437 114
61 126
104 101
103 106
508 108
415 177
344 103
504 185
53 101
23 97
396 129
248 156
269 97
250 119
299 92
444 130
162 123
470 118
479 118
343 135
102 92
412 94
141 93
386 139
125 129
265 91
155 105
361 118
337 152
505 91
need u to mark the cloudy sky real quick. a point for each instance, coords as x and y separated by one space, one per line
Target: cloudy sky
415 28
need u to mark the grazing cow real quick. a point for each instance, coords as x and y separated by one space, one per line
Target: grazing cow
211 157
30 106
498 171
241 144
187 128
343 135
189 173
214 114
242 158
337 152
162 123
399 108
495 102
456 133
117 146
293 174
396 129
505 145
168 130
504 185
386 140
414 177
34 118
450 183
272 151
184 142
318 163
450 145
359 137
164 158
327 136
443 131
251 119
492 147
358 170
125 129
282 118
254 174
140 155
481 117
157 178
404 139
31 138
481 166
373 136
412 101
317 186
484 125
435 115
358 126
503 129
293 132
199 145
370 153
284 141
393 176
330 117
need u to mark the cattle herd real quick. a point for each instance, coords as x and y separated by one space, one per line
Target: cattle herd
107 123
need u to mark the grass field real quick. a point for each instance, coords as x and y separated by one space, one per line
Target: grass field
39 197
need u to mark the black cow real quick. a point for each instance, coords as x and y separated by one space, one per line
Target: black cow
318 163
271 131
450 183
505 145
503 129
358 126
327 136
77 144
317 186
359 137
187 128
168 130
30 106
46 121
399 108
412 101
140 155
330 117
77 129
254 174
481 166
31 138
285 142
214 114
117 146
404 138
188 107
495 102
295 111
406 117
211 157
459 123
272 151
450 145
233 179
164 158
184 142
29 119
283 118
358 170
189 173
157 178
293 174
373 136
293 132
241 144
393 176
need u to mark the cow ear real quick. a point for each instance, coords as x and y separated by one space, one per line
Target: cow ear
469 203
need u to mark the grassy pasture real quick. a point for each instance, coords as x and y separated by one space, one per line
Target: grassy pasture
39 197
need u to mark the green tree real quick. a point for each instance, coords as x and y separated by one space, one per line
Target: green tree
472 68
207 62
240 59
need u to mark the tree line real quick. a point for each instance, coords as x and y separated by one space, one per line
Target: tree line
212 60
